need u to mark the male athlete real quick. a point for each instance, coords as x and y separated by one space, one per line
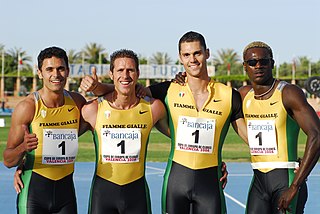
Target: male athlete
44 134
121 124
199 117
274 112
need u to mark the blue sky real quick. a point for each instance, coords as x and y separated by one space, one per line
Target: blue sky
290 27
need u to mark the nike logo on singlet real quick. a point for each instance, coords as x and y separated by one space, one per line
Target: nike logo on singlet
216 100
70 109
142 112
273 103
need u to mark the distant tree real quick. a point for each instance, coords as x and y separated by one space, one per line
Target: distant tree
74 56
93 52
315 68
143 60
302 65
12 60
160 58
225 58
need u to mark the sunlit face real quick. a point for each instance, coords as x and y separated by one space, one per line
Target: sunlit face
258 64
124 75
54 73
193 57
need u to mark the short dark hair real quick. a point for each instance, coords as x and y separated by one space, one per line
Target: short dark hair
50 52
192 36
123 53
257 44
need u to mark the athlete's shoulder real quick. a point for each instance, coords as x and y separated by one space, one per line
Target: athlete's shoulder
25 108
243 90
77 97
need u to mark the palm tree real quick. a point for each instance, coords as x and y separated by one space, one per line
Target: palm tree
142 60
160 58
74 56
93 52
12 60
227 58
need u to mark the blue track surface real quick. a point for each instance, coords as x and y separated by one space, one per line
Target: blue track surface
236 191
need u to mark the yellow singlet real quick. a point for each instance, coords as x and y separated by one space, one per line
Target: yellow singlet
121 138
57 133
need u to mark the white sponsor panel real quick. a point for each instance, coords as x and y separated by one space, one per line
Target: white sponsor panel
195 134
120 145
60 146
262 137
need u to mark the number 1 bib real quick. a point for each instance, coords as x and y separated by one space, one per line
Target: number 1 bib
120 145
195 134
262 137
60 146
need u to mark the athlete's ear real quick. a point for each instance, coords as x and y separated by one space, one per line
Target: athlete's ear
39 74
111 75
207 53
68 72
272 63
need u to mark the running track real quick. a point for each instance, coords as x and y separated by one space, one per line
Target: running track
236 191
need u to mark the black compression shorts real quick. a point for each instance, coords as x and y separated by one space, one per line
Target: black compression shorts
266 189
41 195
108 197
196 190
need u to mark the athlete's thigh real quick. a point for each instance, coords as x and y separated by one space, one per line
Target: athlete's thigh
137 197
178 190
37 196
104 197
207 195
297 204
70 208
65 196
258 199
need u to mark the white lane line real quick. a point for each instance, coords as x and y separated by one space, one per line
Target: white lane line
235 200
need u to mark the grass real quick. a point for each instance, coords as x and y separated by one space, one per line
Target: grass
234 150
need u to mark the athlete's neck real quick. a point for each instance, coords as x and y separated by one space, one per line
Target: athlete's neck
52 99
123 101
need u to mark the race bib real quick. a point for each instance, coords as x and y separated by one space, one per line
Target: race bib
120 145
195 134
60 146
262 137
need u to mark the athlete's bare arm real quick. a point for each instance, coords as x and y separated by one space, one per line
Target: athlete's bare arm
92 84
240 128
89 113
297 106
20 140
159 115
80 102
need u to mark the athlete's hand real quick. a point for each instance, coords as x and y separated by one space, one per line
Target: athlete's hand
286 198
17 182
89 83
224 177
296 169
180 78
30 141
